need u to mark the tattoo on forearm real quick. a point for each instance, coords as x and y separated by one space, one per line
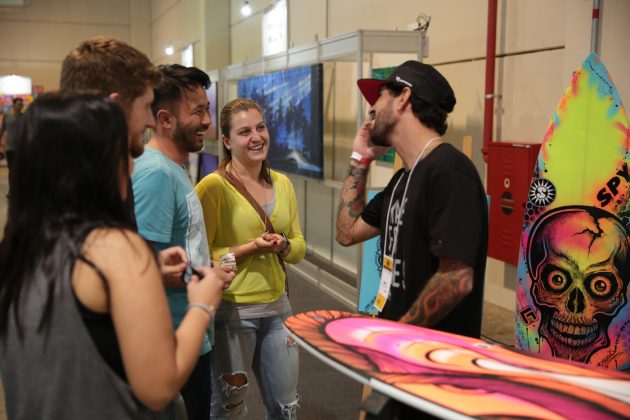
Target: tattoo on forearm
356 202
352 199
442 293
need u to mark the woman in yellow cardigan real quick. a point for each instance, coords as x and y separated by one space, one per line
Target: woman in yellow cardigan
249 334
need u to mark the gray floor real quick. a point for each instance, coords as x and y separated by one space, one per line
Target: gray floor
324 392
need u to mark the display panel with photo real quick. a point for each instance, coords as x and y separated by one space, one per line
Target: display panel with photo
211 92
383 73
292 103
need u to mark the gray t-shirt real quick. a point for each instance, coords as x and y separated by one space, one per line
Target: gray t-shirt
8 122
57 373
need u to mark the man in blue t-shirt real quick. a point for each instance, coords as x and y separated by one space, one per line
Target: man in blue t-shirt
168 211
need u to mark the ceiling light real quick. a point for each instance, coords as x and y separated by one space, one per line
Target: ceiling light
169 50
246 10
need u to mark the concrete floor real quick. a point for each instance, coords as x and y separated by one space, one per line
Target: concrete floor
317 401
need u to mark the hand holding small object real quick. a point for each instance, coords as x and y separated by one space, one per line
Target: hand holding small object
265 243
172 262
189 272
279 240
208 289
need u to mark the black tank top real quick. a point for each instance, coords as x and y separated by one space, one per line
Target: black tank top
101 329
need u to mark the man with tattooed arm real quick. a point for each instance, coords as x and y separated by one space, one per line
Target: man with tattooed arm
431 217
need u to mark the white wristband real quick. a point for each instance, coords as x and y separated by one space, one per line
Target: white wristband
360 158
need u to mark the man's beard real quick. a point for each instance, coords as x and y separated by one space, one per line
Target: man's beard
136 147
381 130
184 137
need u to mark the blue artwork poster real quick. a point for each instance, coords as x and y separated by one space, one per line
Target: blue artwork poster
383 73
292 103
371 263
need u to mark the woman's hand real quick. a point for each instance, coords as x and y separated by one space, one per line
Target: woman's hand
226 269
209 289
265 243
279 242
172 262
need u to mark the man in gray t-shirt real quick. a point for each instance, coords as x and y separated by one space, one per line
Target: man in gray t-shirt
8 122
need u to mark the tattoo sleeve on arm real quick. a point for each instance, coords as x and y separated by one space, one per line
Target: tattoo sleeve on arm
443 292
351 202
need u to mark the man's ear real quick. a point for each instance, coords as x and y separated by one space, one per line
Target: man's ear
163 118
115 96
404 99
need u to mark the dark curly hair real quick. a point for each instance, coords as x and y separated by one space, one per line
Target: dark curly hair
432 116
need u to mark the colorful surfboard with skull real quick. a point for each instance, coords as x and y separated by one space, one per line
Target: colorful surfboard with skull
574 261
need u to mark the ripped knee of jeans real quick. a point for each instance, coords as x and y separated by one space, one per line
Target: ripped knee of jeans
289 411
234 387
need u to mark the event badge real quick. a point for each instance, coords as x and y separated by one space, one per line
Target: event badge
386 282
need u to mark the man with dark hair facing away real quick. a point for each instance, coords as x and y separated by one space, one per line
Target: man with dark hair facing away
168 211
431 217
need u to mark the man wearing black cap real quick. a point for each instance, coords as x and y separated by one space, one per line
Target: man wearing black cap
431 217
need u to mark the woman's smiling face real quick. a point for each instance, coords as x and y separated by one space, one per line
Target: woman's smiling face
248 139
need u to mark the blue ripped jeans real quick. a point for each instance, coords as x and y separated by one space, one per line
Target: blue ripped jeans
261 346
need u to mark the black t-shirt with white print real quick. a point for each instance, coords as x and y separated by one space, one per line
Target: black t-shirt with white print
445 216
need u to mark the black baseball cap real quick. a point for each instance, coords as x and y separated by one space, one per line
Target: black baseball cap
424 81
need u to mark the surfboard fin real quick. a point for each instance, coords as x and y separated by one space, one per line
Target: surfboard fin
377 406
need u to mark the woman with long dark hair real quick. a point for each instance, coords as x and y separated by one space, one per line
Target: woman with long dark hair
251 214
85 329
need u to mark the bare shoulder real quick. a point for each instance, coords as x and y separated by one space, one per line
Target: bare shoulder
114 250
115 238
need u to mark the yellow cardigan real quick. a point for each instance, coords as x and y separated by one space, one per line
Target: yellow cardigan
231 220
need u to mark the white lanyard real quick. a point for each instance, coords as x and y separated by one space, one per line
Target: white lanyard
389 272
402 201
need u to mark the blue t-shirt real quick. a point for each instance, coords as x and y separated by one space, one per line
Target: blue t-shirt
168 213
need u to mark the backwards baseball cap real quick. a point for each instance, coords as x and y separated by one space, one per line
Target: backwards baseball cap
424 81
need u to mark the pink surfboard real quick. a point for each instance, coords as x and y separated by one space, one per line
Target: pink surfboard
453 376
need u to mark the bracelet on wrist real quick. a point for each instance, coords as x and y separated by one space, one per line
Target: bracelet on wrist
360 158
286 243
207 309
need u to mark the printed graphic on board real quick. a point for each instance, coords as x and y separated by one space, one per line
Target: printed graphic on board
371 264
452 376
574 258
